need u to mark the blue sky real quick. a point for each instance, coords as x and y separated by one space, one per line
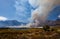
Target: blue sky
7 8
21 10
54 13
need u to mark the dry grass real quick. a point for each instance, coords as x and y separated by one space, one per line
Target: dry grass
32 33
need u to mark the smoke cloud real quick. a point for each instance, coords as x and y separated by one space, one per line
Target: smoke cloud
39 15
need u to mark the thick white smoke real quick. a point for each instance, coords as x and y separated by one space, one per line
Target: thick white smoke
44 7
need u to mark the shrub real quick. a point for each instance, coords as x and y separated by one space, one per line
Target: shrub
46 28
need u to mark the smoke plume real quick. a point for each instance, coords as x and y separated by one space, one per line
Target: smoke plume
39 15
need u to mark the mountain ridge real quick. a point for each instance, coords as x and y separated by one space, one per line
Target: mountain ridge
10 23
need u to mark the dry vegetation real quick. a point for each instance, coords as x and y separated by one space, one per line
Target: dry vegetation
32 33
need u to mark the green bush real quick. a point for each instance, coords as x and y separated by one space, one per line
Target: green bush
46 28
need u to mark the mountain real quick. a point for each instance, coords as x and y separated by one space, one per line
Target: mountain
10 23
47 22
17 23
53 23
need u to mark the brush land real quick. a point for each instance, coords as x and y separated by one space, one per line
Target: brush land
31 33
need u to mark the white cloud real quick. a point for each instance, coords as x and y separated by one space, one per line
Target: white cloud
23 10
2 18
34 3
59 16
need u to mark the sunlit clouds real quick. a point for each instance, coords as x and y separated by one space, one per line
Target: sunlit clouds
58 16
2 18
